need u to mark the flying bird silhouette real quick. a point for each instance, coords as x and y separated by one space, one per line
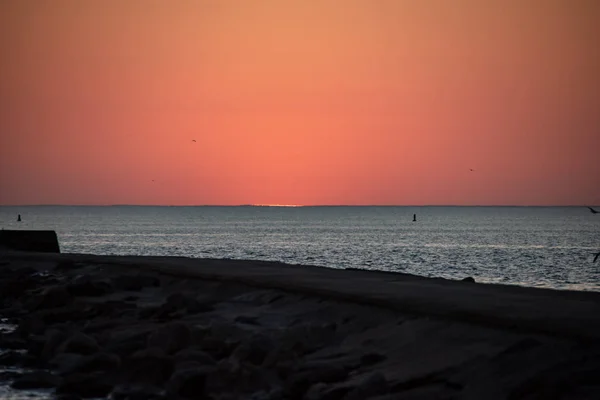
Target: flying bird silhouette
593 211
193 141
596 257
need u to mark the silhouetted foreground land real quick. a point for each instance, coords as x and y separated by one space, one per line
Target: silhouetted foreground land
149 327
28 240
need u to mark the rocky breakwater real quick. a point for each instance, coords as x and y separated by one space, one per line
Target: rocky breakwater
94 330
90 331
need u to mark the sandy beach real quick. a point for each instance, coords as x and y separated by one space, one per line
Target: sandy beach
159 327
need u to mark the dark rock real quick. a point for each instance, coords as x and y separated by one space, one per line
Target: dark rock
52 297
243 378
171 337
334 392
26 272
79 343
437 390
179 300
53 339
36 380
180 303
521 346
12 342
250 378
305 339
151 365
468 279
86 286
66 265
147 312
348 362
275 394
189 383
226 330
28 361
189 364
9 376
371 358
35 345
112 308
217 348
374 385
135 282
315 392
67 397
15 288
298 383
11 310
127 343
280 354
244 319
10 358
31 325
191 354
223 378
65 363
254 350
69 313
137 392
85 385
101 326
199 333
97 362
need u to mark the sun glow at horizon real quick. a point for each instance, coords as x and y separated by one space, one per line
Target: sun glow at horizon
276 205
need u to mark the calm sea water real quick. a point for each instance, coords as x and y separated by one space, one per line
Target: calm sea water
532 246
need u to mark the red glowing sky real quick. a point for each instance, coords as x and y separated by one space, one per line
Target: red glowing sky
300 102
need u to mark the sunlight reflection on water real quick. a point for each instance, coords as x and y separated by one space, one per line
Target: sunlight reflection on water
533 246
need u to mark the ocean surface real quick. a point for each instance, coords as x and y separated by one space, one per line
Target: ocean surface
549 247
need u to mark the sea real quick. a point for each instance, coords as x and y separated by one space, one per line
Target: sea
549 247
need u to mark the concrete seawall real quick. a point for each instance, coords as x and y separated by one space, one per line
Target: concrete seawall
32 241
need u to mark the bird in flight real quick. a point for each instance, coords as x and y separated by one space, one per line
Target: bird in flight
193 140
593 211
596 257
471 169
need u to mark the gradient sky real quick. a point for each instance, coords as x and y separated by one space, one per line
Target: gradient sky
300 102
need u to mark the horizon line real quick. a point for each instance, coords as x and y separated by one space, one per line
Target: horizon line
296 205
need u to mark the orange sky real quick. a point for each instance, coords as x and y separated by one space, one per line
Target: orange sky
300 102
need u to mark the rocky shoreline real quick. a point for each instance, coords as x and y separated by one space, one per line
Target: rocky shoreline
97 328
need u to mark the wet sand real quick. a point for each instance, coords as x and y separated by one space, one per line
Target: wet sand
163 327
